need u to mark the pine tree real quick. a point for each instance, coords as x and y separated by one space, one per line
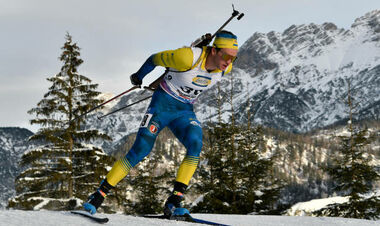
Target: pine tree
353 173
260 189
65 167
217 180
238 176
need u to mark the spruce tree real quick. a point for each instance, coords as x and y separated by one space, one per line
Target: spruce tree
217 179
237 178
260 189
65 167
353 173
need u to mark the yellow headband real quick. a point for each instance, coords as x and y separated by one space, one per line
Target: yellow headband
225 41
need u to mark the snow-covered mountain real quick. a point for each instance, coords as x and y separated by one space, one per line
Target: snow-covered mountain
13 143
295 80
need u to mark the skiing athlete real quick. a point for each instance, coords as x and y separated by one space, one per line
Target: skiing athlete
190 71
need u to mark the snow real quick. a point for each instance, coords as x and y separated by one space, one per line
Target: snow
64 218
305 208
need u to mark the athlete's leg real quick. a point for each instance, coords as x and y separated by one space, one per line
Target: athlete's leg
153 121
188 130
146 136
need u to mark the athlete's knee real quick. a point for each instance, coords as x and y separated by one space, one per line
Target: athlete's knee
141 148
194 144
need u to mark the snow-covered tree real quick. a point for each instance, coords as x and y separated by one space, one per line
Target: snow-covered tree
260 188
236 173
353 173
236 169
354 177
65 167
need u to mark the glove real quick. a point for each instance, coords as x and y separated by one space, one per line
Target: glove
202 41
135 80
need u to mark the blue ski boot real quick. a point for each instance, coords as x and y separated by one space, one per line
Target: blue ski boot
173 204
96 199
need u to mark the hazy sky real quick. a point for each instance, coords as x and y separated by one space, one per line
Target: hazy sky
117 36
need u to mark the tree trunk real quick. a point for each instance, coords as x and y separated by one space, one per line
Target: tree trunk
70 168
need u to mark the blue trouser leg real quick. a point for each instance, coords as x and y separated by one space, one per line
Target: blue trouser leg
188 130
142 147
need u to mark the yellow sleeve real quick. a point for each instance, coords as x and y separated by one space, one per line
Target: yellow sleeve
179 59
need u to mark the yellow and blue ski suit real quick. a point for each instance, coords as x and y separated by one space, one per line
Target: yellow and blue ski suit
172 106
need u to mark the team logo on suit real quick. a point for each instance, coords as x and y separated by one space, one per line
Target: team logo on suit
201 81
153 128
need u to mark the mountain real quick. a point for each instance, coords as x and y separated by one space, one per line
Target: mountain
295 80
13 143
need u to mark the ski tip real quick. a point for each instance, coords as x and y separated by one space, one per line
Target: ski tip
83 213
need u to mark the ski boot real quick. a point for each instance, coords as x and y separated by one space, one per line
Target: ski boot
96 199
173 205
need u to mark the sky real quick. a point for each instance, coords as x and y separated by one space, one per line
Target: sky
117 36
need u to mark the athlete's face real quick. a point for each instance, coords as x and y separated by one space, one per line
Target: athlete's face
225 57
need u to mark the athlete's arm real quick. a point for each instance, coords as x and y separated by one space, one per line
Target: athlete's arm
179 59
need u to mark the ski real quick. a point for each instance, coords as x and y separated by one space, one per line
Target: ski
186 217
100 220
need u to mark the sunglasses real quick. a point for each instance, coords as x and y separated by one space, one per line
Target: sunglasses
226 57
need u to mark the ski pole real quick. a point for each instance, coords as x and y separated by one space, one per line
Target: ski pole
234 14
206 39
125 107
106 102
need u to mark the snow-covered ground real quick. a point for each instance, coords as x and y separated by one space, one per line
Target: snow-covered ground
306 208
55 218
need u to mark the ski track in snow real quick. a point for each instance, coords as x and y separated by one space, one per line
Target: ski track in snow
63 218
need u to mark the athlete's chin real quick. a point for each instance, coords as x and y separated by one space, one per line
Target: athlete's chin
223 67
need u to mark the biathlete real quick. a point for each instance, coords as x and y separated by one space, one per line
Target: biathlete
190 72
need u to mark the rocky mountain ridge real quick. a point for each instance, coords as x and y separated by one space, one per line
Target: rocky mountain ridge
293 81
13 143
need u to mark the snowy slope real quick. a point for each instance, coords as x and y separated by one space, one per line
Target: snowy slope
47 218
